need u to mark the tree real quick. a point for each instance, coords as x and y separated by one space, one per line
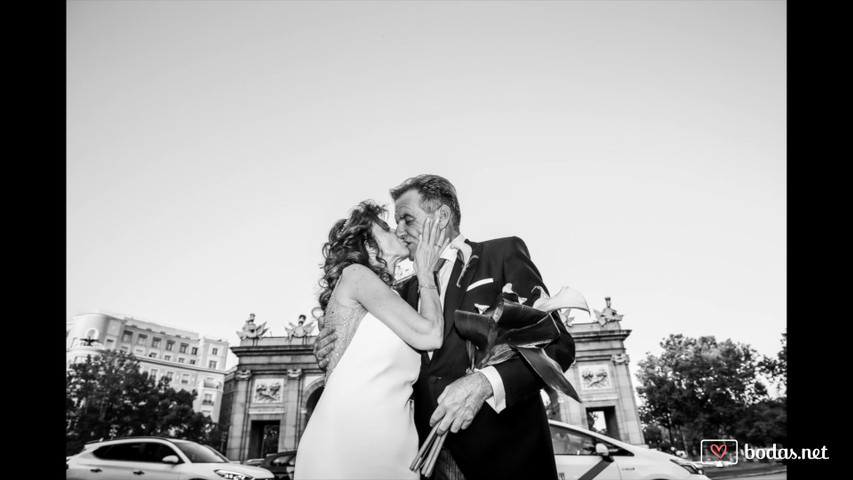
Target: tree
699 388
777 368
764 423
108 395
653 434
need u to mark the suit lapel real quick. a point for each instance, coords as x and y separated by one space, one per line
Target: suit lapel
455 294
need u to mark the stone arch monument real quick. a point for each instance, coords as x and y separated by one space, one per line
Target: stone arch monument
601 377
265 397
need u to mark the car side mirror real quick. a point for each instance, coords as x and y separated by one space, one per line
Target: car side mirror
601 449
173 459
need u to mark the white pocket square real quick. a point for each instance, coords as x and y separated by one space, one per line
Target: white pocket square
479 282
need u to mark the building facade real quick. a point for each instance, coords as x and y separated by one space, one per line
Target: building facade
189 360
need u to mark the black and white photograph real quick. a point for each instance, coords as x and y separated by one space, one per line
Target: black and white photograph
428 240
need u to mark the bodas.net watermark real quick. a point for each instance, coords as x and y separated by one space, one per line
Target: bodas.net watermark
726 452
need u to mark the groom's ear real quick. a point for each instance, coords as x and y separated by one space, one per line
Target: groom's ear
443 216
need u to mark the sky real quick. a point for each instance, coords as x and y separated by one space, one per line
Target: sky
637 147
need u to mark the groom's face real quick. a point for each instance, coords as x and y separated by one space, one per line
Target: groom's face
410 220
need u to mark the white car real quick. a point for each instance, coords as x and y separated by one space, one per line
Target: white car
156 458
582 453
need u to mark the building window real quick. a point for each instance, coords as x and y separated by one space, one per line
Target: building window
155 342
127 336
167 357
192 362
170 345
170 375
110 342
185 379
153 373
141 339
139 351
152 355
214 351
180 359
208 399
194 351
211 364
125 348
184 348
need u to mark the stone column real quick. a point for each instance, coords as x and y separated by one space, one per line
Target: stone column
627 414
237 444
290 419
571 411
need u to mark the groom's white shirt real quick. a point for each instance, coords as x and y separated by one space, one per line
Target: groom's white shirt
498 400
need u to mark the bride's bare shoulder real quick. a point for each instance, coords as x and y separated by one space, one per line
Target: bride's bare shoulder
360 274
355 277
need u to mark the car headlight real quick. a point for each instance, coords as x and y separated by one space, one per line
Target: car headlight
232 475
688 466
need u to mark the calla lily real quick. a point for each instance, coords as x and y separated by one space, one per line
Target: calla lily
509 328
567 298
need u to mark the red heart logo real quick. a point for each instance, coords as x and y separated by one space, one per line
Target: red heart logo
718 450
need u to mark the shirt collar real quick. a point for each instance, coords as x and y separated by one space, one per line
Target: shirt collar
458 244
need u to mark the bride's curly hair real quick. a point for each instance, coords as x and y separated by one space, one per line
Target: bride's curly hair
349 240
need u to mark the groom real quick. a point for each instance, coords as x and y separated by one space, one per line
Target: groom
509 438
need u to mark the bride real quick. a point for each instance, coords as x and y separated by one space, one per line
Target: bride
363 425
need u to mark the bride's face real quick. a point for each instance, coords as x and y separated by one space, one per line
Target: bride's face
390 247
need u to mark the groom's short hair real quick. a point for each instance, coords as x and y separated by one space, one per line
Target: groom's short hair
435 191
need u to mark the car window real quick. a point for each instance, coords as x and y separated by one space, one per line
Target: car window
567 442
200 454
155 452
128 452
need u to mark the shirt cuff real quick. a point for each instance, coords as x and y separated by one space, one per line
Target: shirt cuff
498 399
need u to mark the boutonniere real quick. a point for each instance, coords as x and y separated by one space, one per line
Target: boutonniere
473 260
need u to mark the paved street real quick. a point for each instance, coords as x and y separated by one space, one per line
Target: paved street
750 471
772 476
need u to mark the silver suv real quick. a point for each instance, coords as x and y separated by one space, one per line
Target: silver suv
156 458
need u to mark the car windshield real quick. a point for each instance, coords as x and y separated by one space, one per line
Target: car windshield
281 459
200 453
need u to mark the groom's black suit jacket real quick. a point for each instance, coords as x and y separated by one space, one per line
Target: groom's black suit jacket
515 443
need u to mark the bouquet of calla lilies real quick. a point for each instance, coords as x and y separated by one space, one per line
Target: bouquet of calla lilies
503 331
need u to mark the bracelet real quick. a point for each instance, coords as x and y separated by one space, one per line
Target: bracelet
427 286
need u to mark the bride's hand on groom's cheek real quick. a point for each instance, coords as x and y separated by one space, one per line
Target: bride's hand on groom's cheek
324 344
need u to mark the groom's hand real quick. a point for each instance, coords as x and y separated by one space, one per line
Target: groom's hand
324 344
459 403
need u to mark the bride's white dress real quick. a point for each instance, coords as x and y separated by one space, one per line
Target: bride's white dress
363 425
